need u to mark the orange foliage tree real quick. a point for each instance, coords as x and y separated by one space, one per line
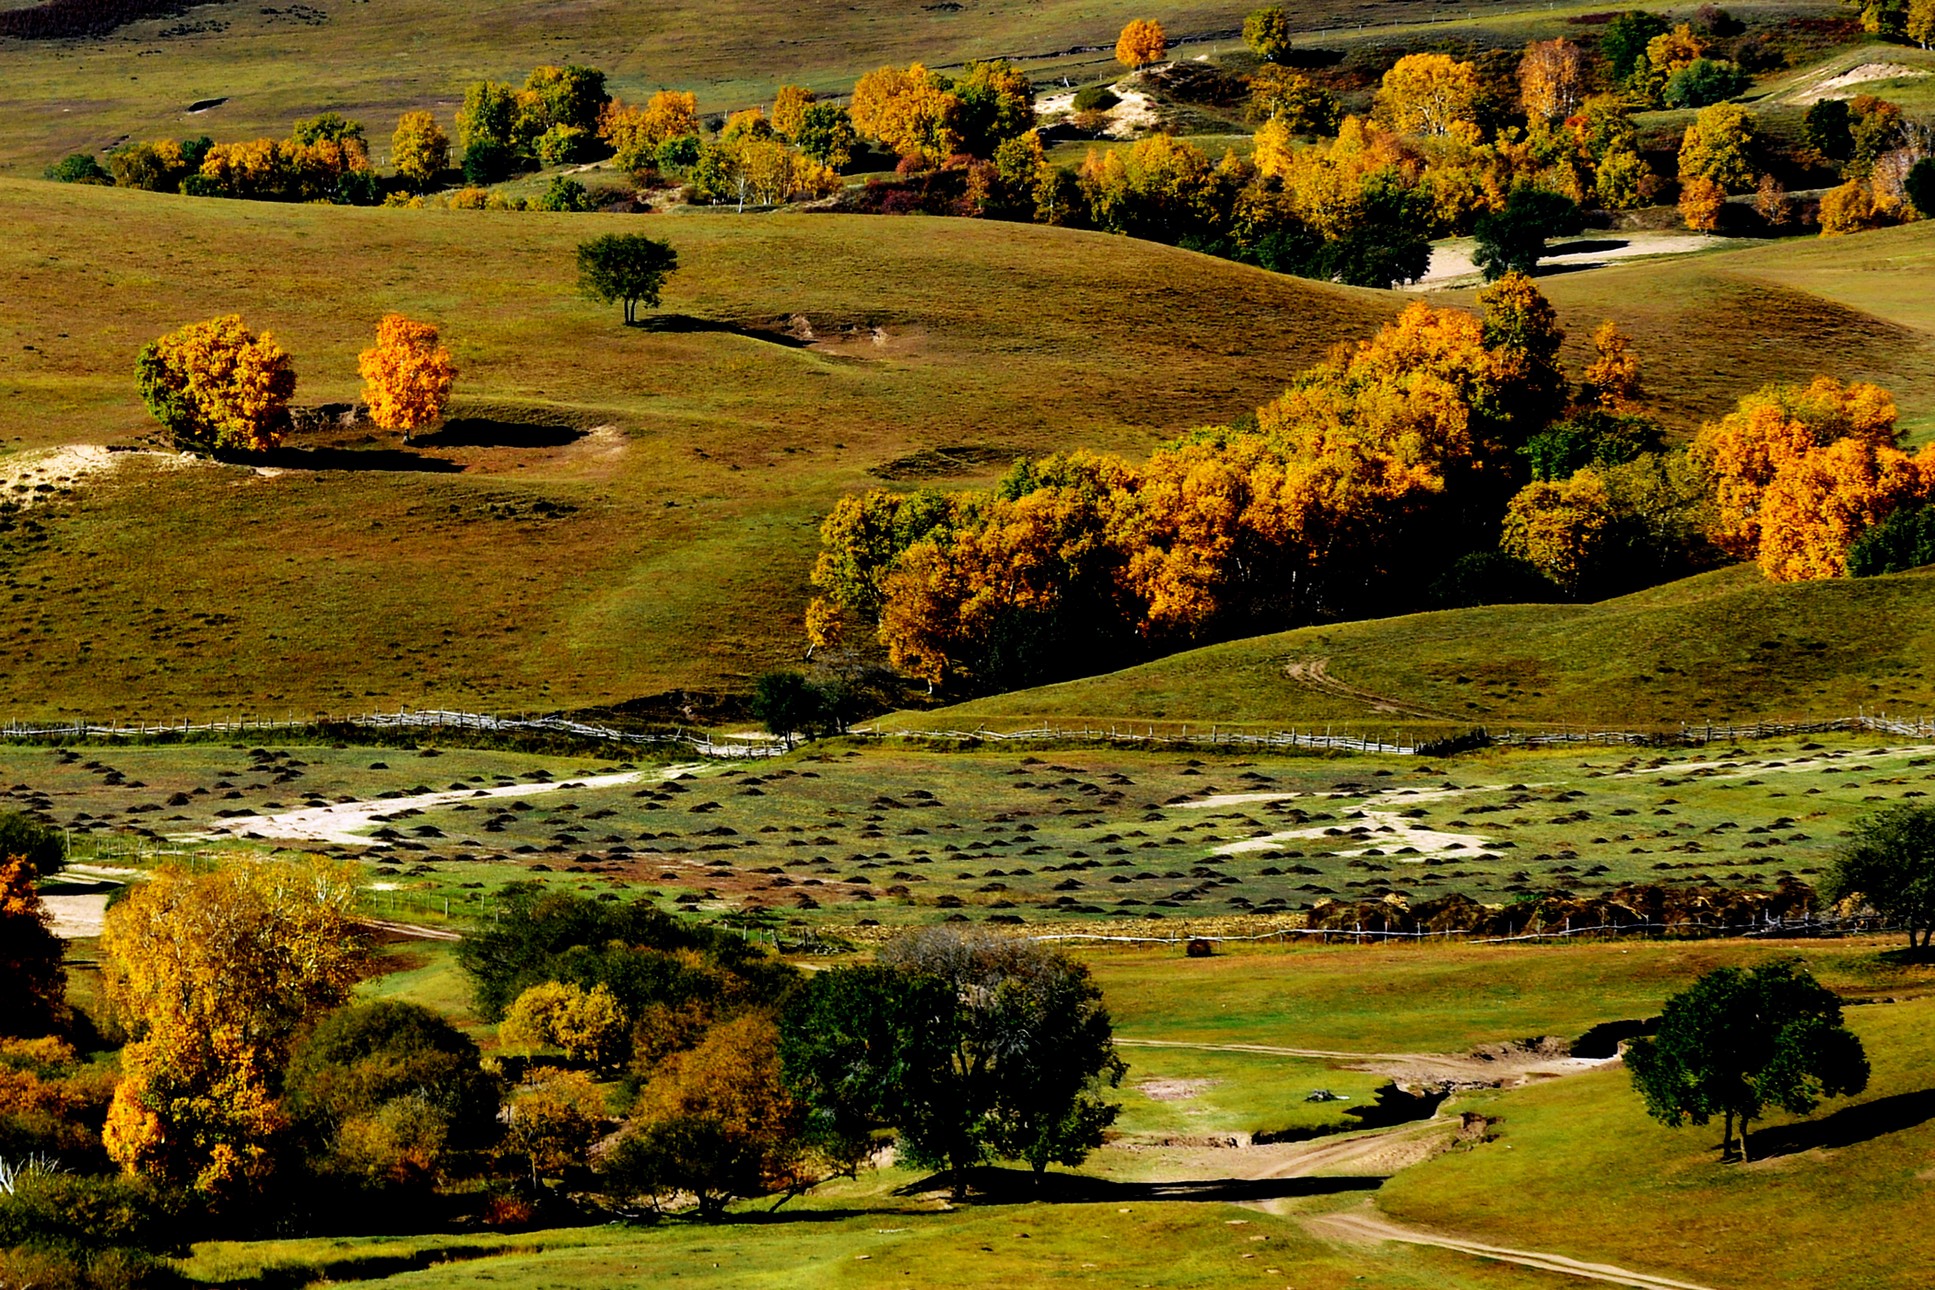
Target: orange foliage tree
407 375
1612 378
635 133
1799 472
33 983
215 974
1141 42
216 384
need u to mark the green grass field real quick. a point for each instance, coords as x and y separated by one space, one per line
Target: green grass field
625 513
858 841
1723 647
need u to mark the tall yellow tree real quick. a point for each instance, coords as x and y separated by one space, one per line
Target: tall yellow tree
419 149
789 110
909 110
214 975
1141 42
1551 79
407 375
1430 95
1559 527
1612 378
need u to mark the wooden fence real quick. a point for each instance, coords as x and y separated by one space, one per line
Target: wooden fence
702 744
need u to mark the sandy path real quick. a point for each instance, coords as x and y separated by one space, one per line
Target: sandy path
1364 1225
77 916
1501 1067
1451 261
1314 674
1861 75
343 823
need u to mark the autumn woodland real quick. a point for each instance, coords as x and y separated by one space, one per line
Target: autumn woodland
980 644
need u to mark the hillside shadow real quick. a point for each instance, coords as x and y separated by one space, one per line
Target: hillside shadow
682 324
988 1185
488 432
324 458
1848 1126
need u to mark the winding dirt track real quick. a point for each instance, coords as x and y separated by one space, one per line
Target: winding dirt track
1314 674
1362 1225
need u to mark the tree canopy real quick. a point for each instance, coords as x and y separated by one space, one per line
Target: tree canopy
627 267
1889 862
1738 1041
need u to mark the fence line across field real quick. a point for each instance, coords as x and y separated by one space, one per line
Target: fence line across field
729 747
1769 928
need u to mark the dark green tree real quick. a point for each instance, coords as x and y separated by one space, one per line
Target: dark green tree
1889 862
332 126
1623 43
39 843
1267 33
1903 541
1828 127
369 1054
789 704
1389 243
566 194
826 134
628 267
1704 81
1514 239
1739 1041
78 168
969 1046
1920 185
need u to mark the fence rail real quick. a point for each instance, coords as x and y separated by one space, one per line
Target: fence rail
703 744
1775 928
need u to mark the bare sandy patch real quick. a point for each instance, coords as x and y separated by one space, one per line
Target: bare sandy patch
345 822
1861 74
76 917
32 477
1174 1090
1452 261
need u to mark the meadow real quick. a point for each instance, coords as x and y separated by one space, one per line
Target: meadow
622 513
1571 1167
853 842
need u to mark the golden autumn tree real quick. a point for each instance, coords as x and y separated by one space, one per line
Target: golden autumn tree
910 110
407 375
1430 95
33 984
419 149
588 1025
1718 148
789 110
1558 527
1141 42
635 133
218 385
214 975
1551 79
1799 471
553 1119
1849 208
1612 378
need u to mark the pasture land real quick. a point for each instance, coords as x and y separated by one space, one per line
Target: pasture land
1572 1166
631 512
855 840
1727 646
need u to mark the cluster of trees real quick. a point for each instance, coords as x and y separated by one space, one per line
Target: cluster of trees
324 159
216 386
1355 491
552 120
1899 19
1887 163
1446 461
646 1059
795 154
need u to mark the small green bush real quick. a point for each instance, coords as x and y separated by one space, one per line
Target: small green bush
1095 98
1905 540
78 168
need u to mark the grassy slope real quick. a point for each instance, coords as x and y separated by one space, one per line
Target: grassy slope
1830 1205
1723 646
374 61
683 563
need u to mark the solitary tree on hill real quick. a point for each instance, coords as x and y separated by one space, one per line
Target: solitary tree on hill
1737 1042
1142 42
628 267
407 375
1890 863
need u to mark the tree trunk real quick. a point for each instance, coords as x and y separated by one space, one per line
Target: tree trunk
1743 1139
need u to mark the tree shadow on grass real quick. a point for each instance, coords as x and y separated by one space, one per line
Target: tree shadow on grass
681 324
488 432
1848 1126
988 1185
393 459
